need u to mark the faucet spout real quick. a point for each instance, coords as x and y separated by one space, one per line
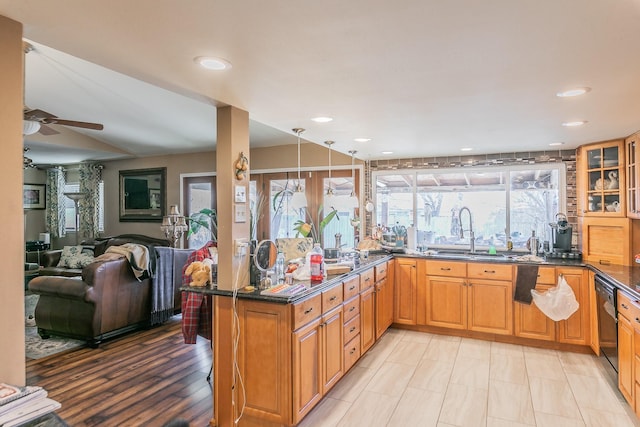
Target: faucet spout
472 240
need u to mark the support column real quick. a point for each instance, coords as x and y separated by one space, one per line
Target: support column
233 271
12 363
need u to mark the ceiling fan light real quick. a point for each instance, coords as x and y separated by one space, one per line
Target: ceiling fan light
29 127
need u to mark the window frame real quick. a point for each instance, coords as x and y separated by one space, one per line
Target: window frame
508 169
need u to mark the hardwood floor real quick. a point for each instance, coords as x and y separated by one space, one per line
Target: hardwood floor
144 378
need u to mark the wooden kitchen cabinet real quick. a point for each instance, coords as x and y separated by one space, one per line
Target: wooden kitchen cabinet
446 294
575 329
367 319
405 299
332 328
628 330
632 153
384 297
490 298
307 369
601 184
610 240
530 322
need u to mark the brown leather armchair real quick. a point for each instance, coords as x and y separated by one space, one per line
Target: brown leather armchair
105 301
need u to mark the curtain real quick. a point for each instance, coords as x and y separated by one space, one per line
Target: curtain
90 178
55 212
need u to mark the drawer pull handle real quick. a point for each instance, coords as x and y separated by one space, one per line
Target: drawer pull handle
605 262
490 271
623 305
637 320
308 310
352 288
445 268
351 309
333 298
353 328
353 350
367 279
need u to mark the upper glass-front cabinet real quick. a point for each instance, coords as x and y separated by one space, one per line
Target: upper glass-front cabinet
633 175
601 189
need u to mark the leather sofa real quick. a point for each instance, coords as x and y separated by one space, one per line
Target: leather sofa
105 300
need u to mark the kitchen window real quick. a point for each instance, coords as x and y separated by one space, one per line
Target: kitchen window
506 202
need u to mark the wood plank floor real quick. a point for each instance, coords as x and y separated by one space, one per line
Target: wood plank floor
144 378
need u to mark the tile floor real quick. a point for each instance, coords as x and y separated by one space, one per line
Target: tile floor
418 379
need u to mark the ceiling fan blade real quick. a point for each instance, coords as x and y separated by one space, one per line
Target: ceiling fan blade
37 114
46 130
86 125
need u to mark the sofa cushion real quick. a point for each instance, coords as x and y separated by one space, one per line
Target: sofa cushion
75 257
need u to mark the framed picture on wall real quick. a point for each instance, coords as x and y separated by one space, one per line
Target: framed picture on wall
33 196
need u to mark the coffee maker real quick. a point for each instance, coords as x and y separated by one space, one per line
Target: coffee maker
561 234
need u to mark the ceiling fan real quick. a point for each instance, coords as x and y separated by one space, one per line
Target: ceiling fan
37 121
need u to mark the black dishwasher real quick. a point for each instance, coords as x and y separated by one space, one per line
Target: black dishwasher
607 320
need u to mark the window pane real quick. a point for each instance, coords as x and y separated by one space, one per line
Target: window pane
200 197
70 207
534 204
283 217
394 201
340 224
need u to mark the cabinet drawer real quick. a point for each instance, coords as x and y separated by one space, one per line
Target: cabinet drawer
351 352
351 328
351 287
380 271
366 279
332 298
490 271
629 309
307 310
351 308
546 276
446 268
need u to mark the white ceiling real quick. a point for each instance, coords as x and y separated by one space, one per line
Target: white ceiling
420 77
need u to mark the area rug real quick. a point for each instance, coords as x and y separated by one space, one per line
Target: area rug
36 347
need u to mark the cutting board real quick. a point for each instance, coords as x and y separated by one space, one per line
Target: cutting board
334 269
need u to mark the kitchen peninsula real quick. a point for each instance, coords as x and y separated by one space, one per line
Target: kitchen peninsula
293 350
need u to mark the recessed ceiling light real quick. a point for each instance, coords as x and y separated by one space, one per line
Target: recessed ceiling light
212 63
573 92
362 139
322 119
387 152
466 149
553 144
573 124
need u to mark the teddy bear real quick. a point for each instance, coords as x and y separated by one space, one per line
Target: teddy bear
200 273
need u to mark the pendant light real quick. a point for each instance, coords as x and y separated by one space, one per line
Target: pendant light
299 199
330 199
353 202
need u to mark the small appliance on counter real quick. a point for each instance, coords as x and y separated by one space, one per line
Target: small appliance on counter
561 234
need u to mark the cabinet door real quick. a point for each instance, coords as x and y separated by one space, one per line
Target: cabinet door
332 329
530 322
490 306
601 184
384 307
625 358
367 319
307 369
446 302
575 330
632 145
405 291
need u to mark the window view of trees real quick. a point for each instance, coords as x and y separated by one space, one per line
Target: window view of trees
507 203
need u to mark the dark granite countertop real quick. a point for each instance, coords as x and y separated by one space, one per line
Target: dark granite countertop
623 277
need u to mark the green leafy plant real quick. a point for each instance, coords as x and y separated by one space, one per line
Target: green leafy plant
204 218
309 229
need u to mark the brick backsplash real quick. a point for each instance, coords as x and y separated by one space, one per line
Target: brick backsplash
568 157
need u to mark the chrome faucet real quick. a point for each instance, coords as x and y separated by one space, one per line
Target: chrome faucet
472 237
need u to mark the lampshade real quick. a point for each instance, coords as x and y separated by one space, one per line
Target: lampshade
29 127
299 199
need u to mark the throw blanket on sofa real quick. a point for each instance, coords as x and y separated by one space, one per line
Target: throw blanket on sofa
138 256
167 276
